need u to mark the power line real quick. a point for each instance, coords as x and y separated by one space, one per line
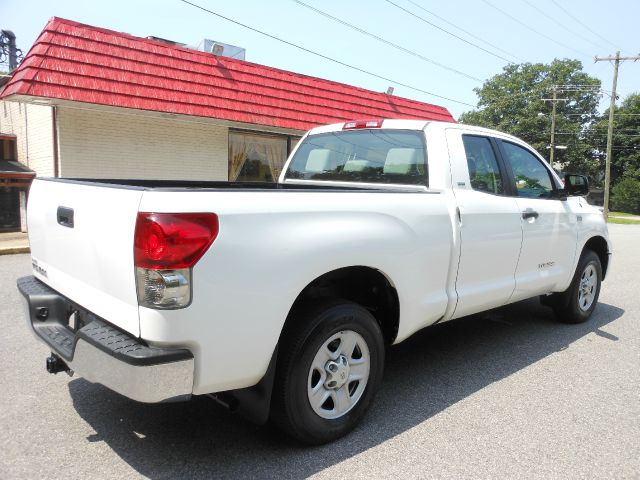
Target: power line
507 96
579 22
597 134
587 85
573 143
448 32
534 30
560 24
317 54
580 88
618 148
380 39
585 88
618 130
615 114
465 31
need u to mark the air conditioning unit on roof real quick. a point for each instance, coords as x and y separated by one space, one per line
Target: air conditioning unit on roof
221 49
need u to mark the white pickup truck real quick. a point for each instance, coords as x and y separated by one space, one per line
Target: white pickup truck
279 299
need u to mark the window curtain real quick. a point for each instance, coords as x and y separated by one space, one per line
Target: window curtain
238 153
271 151
276 154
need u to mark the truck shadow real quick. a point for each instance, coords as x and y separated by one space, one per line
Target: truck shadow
433 370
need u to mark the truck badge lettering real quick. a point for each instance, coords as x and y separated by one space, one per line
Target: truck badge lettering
37 268
546 265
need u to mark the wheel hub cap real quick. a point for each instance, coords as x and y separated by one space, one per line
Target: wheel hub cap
337 372
588 286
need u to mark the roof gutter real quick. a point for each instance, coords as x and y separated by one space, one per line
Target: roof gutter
54 131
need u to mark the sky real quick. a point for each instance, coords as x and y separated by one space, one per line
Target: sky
405 42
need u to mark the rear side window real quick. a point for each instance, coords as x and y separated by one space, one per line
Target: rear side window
370 156
532 178
484 173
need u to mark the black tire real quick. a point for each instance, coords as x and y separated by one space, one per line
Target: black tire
576 304
306 339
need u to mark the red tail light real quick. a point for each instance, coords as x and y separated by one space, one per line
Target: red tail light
362 124
173 240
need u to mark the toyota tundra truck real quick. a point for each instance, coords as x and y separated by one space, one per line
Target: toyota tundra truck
279 299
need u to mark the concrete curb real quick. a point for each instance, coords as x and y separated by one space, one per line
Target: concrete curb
14 250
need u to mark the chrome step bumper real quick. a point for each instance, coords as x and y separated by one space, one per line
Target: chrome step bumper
103 354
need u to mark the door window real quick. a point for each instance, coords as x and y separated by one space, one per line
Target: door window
532 178
484 173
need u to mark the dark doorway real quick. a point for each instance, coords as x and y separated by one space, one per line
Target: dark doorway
15 180
9 209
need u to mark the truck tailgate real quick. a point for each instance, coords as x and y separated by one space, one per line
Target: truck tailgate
81 237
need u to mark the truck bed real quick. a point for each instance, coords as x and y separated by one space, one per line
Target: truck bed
173 185
82 242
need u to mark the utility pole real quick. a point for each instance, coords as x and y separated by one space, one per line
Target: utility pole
554 101
552 145
612 107
8 48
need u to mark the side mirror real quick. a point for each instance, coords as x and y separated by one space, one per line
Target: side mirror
576 185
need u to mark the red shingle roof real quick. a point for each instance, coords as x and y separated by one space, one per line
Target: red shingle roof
76 62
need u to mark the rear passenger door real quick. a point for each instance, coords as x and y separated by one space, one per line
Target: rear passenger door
490 224
548 225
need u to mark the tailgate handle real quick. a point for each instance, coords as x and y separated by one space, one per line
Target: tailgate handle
65 216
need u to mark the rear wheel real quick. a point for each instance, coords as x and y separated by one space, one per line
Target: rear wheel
576 304
329 368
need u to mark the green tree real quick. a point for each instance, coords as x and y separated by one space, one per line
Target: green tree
625 153
513 100
626 195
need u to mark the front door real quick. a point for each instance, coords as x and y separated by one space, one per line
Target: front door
548 225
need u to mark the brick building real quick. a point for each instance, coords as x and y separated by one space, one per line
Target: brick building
87 102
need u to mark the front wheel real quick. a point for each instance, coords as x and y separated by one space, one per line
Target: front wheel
576 304
330 367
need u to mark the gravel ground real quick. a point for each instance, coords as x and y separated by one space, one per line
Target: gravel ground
508 394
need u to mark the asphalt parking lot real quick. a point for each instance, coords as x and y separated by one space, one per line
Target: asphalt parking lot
508 394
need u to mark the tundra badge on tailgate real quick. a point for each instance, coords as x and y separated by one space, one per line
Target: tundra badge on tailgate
37 268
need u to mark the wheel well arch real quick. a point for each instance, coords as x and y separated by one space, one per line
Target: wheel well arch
363 285
600 246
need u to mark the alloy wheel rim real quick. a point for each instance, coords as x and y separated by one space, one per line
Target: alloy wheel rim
338 374
587 288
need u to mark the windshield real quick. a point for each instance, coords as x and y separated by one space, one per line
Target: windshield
373 156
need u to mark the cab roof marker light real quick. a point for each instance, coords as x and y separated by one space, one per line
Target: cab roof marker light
354 124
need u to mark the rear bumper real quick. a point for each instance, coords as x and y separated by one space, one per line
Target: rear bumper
102 353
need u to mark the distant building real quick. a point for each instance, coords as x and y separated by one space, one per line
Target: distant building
87 102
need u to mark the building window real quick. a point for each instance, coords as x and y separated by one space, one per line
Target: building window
255 157
7 148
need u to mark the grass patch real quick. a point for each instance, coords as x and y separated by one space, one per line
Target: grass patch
622 214
623 221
